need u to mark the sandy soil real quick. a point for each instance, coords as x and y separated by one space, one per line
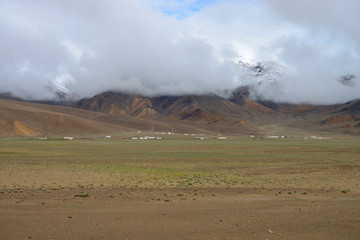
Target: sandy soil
188 213
95 189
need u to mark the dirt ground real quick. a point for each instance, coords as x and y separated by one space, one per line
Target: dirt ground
178 213
179 189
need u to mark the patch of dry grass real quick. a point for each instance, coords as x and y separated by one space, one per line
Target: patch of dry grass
238 163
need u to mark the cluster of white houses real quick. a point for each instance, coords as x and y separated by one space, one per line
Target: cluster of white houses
272 137
159 138
206 138
146 138
73 138
275 137
201 138
315 137
197 137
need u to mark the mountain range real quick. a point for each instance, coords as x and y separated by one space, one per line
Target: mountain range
112 113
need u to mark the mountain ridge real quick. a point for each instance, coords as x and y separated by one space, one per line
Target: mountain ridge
110 112
211 109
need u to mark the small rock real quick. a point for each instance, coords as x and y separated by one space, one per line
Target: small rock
269 231
69 216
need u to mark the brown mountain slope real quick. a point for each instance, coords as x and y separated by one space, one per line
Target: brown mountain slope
19 118
254 106
29 119
344 118
209 112
237 115
338 119
113 113
351 107
335 119
160 107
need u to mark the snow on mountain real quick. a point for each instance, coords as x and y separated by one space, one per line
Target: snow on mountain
264 80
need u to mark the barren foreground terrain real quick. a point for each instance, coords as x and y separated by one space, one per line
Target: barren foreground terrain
180 188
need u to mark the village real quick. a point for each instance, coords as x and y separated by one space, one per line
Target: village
164 135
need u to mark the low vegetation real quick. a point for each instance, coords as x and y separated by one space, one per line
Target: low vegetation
82 195
285 165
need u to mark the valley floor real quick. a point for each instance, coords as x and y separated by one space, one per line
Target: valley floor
239 188
148 214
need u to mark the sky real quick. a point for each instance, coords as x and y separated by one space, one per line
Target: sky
309 49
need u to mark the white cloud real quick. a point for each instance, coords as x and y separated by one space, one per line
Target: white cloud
133 46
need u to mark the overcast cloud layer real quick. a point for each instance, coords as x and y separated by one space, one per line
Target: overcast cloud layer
153 47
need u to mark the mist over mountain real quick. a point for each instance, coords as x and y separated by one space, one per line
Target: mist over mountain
303 52
115 112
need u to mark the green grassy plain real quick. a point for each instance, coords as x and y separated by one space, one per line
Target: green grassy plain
285 164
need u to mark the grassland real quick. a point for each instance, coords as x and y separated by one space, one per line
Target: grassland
180 188
237 163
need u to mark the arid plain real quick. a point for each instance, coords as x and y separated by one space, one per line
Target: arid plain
180 188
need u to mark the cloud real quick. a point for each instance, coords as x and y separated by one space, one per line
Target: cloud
86 47
156 47
325 49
